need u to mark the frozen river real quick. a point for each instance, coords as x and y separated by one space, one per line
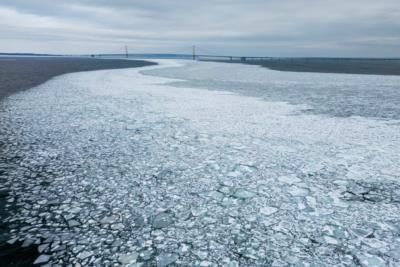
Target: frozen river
143 167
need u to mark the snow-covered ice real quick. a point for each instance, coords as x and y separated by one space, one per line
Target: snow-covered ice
122 167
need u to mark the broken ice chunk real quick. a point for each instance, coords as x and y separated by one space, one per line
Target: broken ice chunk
162 220
268 210
128 258
166 259
243 193
298 191
291 179
41 259
371 260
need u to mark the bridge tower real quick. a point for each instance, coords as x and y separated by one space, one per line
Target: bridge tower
126 51
194 52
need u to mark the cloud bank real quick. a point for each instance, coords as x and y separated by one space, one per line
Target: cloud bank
256 27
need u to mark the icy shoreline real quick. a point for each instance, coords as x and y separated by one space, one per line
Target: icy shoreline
116 167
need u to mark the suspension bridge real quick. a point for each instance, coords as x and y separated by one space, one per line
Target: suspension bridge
195 53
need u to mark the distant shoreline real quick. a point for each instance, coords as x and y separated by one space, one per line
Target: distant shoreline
329 65
21 73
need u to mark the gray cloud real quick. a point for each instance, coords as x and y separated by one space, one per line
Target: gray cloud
255 27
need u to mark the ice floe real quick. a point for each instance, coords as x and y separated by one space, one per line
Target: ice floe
116 167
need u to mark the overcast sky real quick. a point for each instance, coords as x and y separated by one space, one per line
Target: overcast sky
369 28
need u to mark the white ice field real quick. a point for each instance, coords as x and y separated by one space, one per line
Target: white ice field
122 167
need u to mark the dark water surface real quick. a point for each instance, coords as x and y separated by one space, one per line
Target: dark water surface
19 73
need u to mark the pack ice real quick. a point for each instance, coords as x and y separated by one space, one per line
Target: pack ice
118 167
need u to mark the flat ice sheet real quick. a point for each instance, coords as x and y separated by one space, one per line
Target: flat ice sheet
117 167
339 95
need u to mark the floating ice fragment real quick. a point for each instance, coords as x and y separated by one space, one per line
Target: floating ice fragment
75 210
279 263
147 254
201 254
162 220
27 242
292 179
117 226
251 218
341 182
128 258
12 241
77 249
369 260
224 189
243 193
184 248
198 211
311 201
232 263
73 223
109 219
301 206
375 243
42 259
139 221
294 261
165 259
216 195
205 263
298 191
84 255
234 174
268 210
330 240
395 251
137 264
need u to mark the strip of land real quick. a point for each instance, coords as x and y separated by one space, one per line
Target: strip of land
20 73
330 65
